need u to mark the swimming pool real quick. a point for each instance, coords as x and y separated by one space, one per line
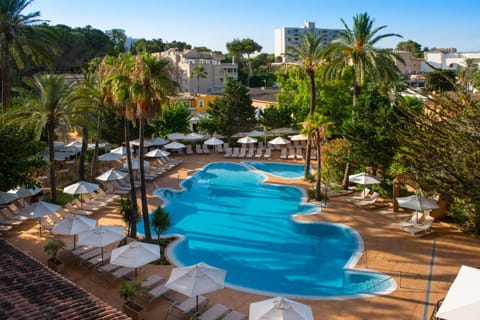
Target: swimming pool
279 169
228 218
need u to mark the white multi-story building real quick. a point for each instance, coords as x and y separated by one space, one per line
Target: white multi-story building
286 37
215 72
448 59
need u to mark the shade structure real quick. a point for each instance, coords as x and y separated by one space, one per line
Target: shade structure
110 156
213 142
135 254
462 301
112 175
299 137
193 136
38 210
174 145
136 164
101 236
121 150
176 136
72 225
417 203
239 134
157 153
24 192
157 141
7 197
74 144
283 131
247 139
80 188
363 178
279 141
196 279
146 143
279 308
256 133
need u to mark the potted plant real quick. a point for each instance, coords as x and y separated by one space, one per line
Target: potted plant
52 248
128 292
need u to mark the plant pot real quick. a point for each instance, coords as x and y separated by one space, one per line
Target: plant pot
133 310
56 265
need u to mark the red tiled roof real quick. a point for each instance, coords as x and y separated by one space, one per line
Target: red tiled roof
29 290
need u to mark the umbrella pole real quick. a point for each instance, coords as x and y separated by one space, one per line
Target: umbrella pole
74 241
196 303
40 225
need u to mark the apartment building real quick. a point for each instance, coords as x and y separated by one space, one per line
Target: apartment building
215 72
448 59
291 36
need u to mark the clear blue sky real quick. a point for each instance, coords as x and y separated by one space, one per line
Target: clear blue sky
212 23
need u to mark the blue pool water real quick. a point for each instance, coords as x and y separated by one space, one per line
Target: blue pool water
284 170
228 218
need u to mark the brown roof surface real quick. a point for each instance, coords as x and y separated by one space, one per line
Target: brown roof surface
29 290
267 94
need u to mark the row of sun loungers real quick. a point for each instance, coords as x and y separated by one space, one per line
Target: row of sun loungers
237 152
199 149
291 153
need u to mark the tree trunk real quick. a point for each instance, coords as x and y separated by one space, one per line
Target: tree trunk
6 101
345 176
93 167
311 79
133 192
318 187
308 158
81 165
143 190
51 158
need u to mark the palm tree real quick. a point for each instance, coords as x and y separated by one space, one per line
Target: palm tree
309 54
199 72
19 39
355 49
317 127
46 107
160 222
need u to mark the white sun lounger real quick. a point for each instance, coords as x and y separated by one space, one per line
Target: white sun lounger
235 315
215 312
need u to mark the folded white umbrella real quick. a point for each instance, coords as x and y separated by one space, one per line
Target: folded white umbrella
279 308
135 254
72 225
112 175
157 153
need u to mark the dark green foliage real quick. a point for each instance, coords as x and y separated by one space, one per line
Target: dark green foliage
160 221
20 157
440 80
174 119
143 45
127 213
276 116
232 112
411 46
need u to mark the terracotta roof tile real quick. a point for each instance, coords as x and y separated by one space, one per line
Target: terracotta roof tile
29 290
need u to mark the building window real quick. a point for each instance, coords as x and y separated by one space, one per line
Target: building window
200 103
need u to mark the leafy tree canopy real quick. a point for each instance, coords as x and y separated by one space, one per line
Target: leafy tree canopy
440 80
174 118
411 46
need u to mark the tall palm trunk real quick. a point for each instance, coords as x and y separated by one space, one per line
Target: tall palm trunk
51 158
81 165
133 192
318 186
308 156
93 167
143 190
5 77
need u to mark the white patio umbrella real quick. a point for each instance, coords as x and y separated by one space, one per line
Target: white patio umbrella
24 192
6 197
110 156
279 141
74 144
299 137
38 210
112 175
175 136
256 133
157 153
157 141
417 203
462 301
72 225
80 188
214 141
247 139
279 308
283 131
239 134
193 136
100 236
121 150
196 279
136 164
135 254
146 143
363 179
174 145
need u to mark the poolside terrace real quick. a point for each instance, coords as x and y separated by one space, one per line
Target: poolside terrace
423 267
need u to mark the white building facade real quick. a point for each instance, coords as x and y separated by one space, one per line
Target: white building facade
216 73
291 36
448 60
